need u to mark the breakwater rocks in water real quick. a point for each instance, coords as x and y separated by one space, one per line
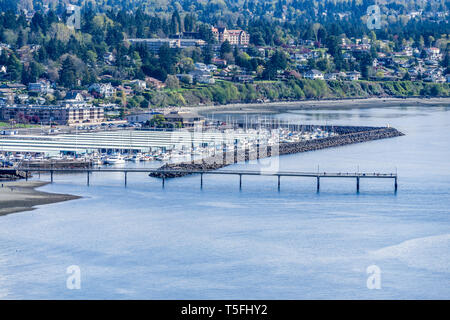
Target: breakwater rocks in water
12 174
346 135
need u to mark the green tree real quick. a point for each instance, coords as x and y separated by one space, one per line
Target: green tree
32 73
225 48
14 67
172 82
157 121
68 73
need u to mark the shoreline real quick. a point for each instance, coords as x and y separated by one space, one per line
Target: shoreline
275 107
20 196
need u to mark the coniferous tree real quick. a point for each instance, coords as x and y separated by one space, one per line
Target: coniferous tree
68 73
14 67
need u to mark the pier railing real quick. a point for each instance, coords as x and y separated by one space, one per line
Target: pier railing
171 172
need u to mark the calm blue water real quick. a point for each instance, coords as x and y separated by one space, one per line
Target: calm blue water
218 243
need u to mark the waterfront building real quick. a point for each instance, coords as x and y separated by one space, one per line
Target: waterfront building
141 117
60 114
187 119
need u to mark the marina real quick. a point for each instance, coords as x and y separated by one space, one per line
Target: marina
116 147
145 141
178 146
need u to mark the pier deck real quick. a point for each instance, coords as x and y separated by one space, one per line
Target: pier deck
240 173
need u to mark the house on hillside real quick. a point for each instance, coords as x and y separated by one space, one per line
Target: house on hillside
313 74
105 90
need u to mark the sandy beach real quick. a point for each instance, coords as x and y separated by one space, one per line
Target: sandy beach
275 107
16 196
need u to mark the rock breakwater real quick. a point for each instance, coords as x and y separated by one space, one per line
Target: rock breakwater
346 135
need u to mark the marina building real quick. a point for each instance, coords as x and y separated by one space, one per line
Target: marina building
186 119
141 117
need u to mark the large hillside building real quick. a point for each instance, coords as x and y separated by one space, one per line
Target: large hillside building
156 43
234 37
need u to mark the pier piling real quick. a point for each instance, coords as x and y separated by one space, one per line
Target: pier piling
87 178
51 176
357 184
201 180
279 182
318 184
240 182
395 185
125 176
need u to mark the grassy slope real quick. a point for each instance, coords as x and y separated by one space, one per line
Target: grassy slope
224 92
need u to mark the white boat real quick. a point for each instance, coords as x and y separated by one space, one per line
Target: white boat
19 157
39 158
56 157
97 161
136 158
176 155
114 159
163 157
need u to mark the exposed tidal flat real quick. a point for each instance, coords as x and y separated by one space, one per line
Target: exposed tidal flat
17 196
180 242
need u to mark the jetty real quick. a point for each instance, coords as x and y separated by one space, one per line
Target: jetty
347 135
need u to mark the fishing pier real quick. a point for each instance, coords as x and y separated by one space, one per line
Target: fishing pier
240 173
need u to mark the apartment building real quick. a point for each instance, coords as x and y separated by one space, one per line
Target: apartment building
60 114
234 37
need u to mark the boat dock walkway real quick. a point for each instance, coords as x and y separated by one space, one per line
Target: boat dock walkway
317 175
